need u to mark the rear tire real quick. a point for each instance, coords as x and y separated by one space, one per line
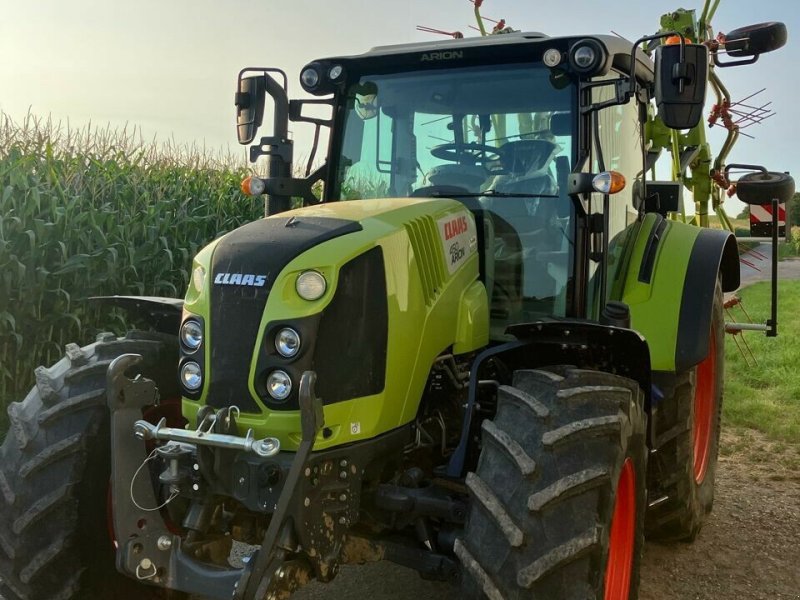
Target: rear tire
564 457
55 537
683 468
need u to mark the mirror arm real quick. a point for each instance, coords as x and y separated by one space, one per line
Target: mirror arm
296 108
281 119
293 187
621 94
272 146
280 72
648 38
734 63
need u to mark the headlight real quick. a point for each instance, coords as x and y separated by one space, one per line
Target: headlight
279 385
311 285
309 78
552 57
191 335
587 56
198 278
335 73
191 376
287 342
584 56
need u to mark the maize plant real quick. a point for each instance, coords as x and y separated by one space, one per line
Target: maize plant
91 212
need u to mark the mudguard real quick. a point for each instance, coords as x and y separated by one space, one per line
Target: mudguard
583 344
670 284
163 314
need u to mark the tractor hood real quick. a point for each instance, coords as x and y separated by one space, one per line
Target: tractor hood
389 265
244 268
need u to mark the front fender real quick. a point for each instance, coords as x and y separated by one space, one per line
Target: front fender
670 288
162 314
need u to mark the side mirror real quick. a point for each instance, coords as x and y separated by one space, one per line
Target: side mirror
681 84
249 102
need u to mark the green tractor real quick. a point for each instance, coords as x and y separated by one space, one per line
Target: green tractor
481 348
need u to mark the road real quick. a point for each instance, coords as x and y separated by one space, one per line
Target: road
756 265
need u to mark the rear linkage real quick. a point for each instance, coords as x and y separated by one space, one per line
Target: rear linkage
148 549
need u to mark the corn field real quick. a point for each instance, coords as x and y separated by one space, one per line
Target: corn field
92 212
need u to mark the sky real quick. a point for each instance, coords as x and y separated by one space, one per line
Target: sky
169 67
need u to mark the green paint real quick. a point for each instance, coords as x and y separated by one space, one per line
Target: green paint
655 306
681 20
425 320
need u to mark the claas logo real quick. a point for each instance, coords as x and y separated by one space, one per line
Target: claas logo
455 227
248 279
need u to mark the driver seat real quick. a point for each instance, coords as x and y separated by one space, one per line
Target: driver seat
470 177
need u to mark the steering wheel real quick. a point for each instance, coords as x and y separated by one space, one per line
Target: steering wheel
475 154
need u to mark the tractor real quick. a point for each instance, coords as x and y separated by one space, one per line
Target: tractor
476 341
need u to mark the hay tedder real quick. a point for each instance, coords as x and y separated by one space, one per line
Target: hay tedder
480 340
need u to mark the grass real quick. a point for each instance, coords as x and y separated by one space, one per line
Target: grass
766 397
787 250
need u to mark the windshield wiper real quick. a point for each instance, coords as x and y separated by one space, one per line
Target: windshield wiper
491 194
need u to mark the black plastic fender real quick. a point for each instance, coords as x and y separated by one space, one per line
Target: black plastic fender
583 344
713 255
163 314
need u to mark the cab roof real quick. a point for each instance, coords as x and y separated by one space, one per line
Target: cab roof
619 48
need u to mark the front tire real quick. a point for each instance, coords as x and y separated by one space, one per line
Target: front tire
558 496
55 540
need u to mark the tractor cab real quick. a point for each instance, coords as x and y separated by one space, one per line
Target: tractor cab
514 126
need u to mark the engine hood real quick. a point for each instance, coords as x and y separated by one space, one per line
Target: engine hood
396 269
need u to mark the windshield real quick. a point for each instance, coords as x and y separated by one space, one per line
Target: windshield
498 137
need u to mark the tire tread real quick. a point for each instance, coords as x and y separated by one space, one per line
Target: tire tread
53 477
573 428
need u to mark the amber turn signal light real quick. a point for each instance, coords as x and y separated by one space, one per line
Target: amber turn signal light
252 186
608 182
676 39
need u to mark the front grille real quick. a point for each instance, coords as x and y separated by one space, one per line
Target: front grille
262 248
350 352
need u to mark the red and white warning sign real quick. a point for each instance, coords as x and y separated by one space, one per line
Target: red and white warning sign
761 220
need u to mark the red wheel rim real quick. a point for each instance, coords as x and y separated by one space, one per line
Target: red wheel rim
705 399
622 539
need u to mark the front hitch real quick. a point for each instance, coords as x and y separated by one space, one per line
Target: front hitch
265 448
146 549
